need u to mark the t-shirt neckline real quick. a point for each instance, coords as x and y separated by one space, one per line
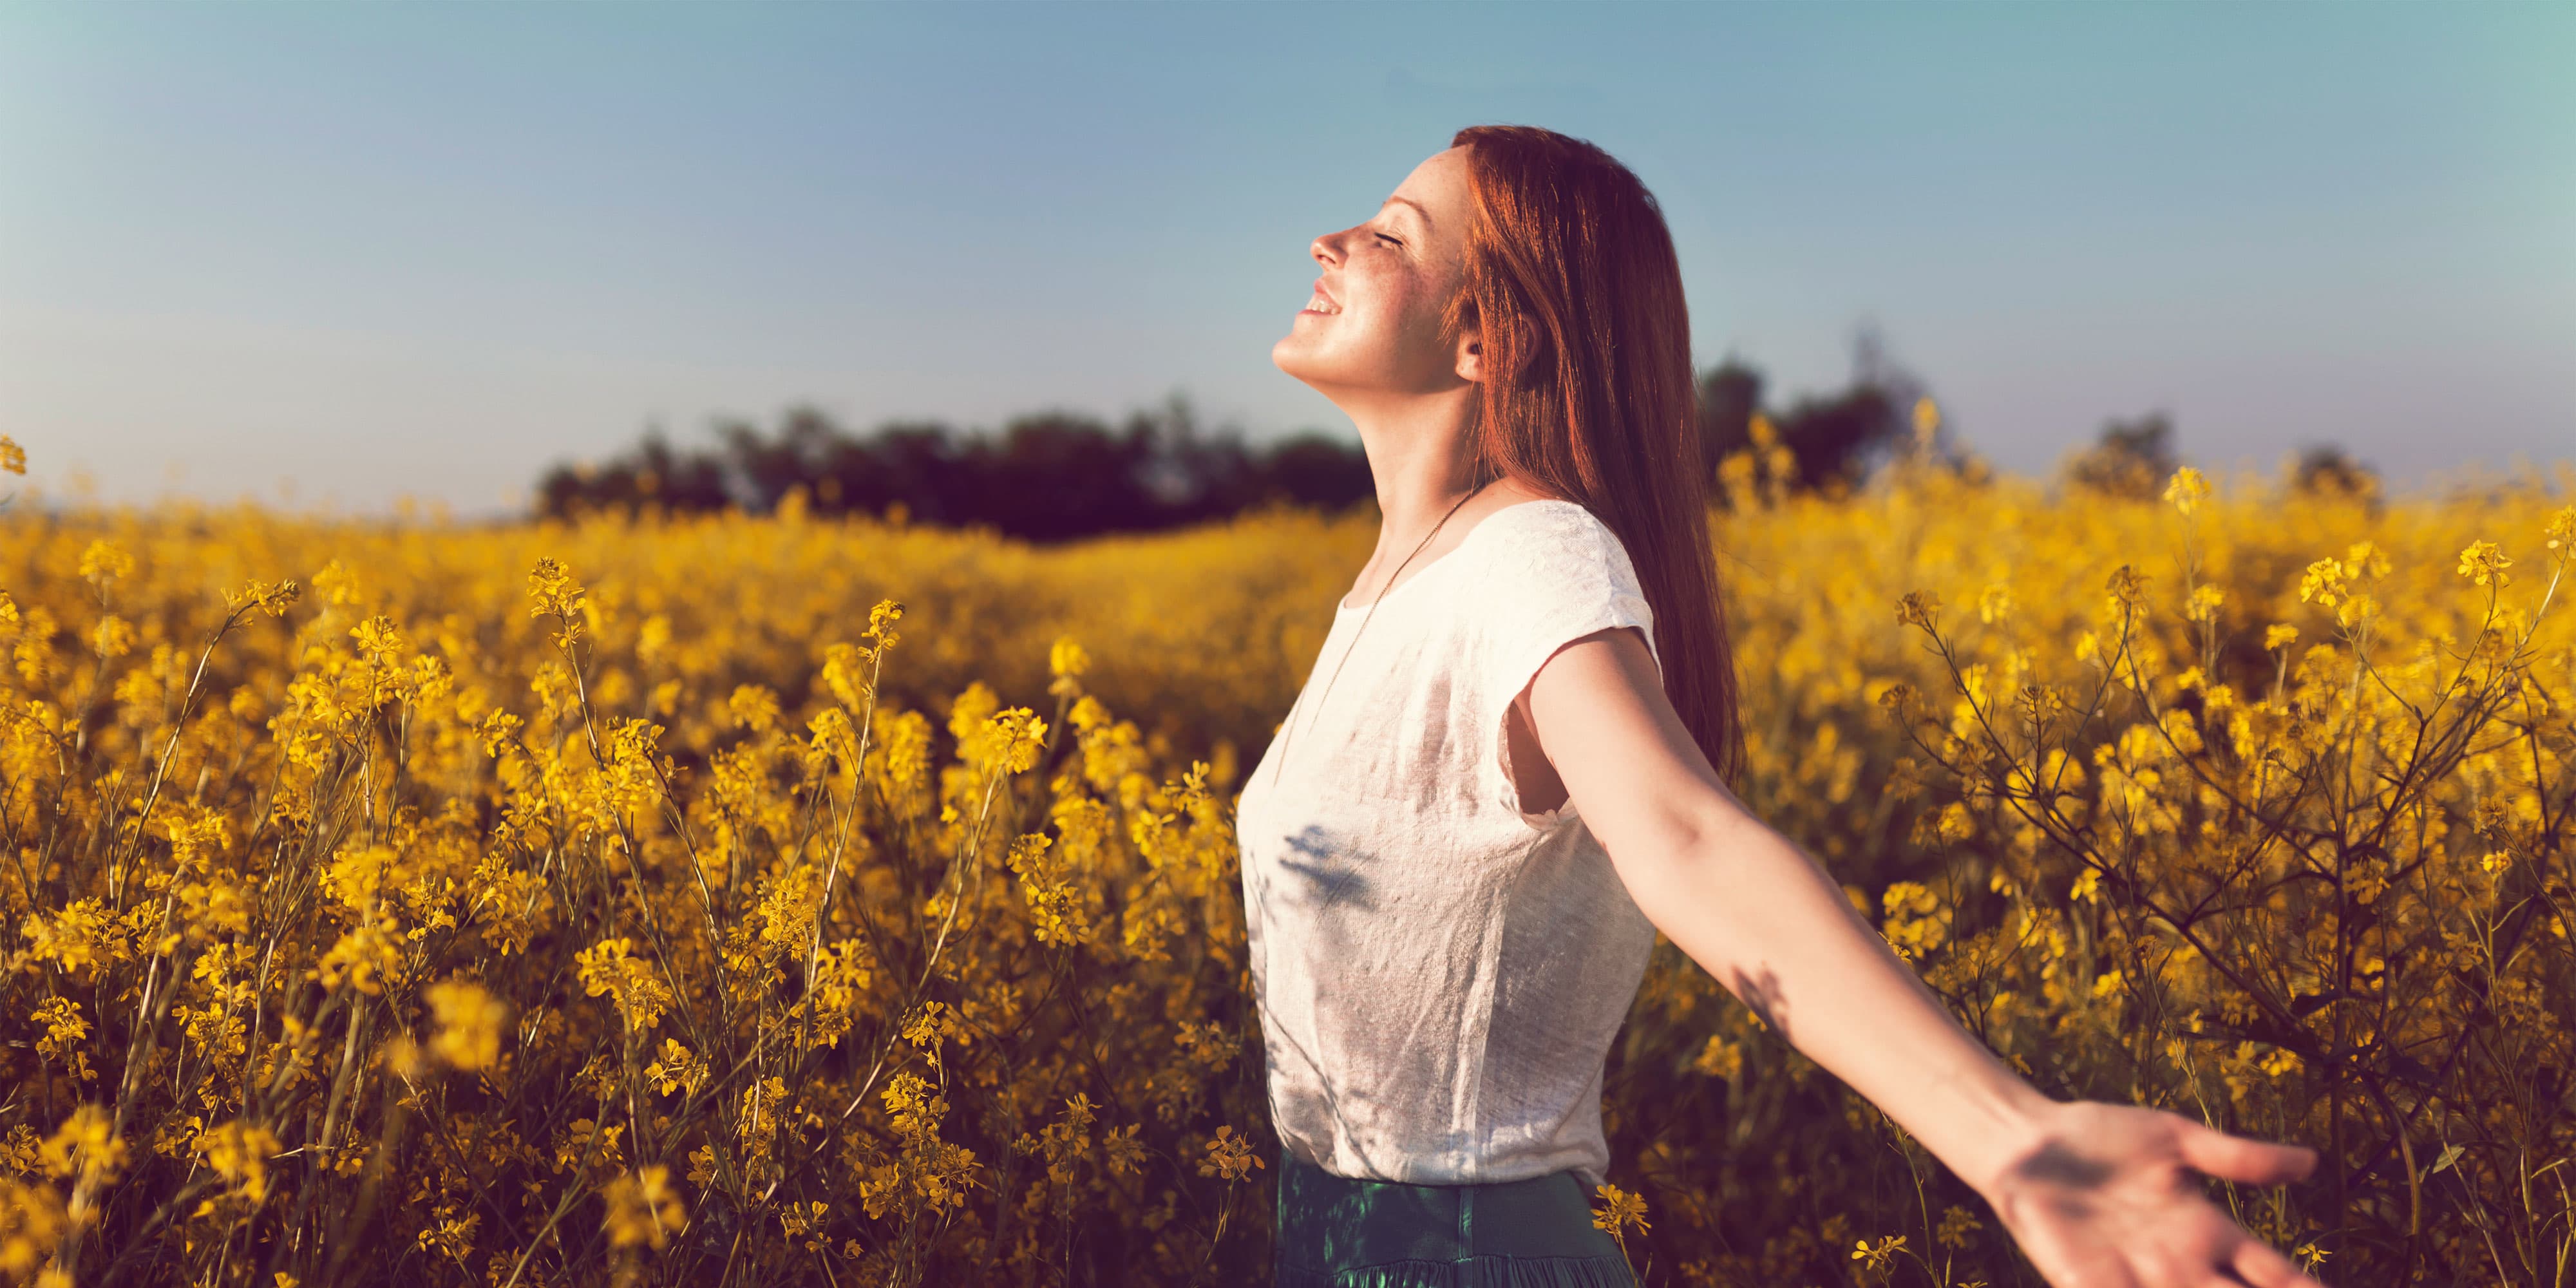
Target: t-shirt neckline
1342 609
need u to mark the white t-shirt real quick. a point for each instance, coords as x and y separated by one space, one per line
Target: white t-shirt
1439 974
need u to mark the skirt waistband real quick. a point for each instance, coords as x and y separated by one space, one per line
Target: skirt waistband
1331 1223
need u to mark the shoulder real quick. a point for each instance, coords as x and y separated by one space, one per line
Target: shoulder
1555 573
1540 520
1553 566
1561 538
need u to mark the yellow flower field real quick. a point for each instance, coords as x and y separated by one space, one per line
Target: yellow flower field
762 900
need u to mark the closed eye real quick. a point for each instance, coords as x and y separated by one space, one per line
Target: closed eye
1383 237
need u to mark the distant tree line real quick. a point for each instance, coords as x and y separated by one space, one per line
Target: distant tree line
2133 460
1048 476
1836 441
1060 476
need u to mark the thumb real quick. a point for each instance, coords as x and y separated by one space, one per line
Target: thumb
2238 1158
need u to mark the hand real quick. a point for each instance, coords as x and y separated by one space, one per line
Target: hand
2105 1201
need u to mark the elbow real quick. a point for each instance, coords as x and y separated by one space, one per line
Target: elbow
1682 878
1720 828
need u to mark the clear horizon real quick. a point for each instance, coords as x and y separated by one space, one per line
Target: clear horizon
430 250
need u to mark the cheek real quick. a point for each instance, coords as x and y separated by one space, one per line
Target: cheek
1402 302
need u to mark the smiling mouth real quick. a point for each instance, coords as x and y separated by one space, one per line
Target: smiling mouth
1321 305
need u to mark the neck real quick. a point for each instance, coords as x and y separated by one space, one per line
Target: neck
1421 456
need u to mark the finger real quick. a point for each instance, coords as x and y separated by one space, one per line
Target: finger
2260 1264
2237 1158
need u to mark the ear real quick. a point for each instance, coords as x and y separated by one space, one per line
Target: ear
1471 350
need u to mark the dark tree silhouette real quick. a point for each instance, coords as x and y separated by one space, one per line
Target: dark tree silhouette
1315 470
1058 475
652 475
1047 476
1730 395
2325 470
2131 459
1838 440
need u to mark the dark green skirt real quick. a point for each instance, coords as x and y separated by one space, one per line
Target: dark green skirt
1339 1233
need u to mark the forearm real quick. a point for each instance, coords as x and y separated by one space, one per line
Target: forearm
1758 915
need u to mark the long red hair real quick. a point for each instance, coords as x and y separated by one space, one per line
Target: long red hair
1576 294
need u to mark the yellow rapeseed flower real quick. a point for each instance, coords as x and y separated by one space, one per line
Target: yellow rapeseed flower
31 1225
240 1152
2560 533
1620 1211
2483 563
103 564
2323 582
2187 490
1877 1255
1918 608
1066 661
1958 1227
642 1208
470 1021
1229 1156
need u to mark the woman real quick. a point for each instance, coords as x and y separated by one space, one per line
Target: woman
1502 779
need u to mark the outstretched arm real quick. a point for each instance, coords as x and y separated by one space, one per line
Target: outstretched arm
2095 1193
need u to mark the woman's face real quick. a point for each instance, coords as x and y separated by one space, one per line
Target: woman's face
1373 326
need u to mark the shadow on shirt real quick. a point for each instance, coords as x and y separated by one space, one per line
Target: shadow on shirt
1328 874
1320 870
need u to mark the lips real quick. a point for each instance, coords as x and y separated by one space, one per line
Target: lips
1323 302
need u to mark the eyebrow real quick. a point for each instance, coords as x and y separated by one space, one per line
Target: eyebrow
1417 208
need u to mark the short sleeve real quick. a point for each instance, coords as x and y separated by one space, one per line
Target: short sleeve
1558 577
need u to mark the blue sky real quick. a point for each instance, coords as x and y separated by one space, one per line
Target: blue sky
428 249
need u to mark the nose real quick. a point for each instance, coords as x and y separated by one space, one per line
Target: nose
1324 249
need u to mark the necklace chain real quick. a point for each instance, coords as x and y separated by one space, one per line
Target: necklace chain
1290 729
